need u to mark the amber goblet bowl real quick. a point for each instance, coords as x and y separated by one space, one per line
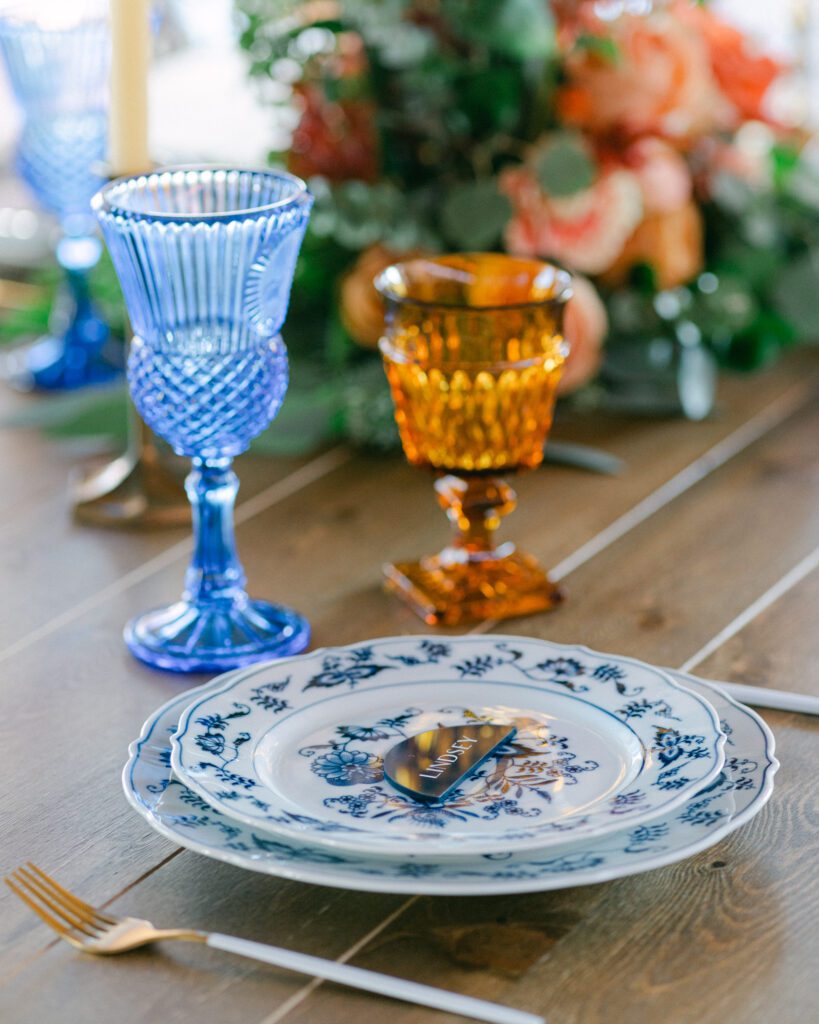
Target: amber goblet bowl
473 349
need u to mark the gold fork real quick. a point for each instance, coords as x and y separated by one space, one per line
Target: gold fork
102 933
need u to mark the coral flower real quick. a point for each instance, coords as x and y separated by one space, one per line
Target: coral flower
585 230
585 326
361 307
663 174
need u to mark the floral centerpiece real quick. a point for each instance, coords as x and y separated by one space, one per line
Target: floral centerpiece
639 150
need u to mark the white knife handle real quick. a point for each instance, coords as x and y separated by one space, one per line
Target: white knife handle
371 981
763 697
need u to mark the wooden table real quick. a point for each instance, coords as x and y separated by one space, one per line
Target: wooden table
703 553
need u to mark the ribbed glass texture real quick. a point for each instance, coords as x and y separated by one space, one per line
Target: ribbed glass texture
206 260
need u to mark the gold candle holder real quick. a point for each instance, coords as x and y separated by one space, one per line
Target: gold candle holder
473 350
144 487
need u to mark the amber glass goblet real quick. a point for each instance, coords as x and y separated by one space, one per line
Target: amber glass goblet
473 349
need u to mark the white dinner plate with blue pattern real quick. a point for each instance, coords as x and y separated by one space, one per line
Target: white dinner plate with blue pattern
739 792
296 747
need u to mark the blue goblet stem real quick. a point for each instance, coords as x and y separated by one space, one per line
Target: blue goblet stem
215 572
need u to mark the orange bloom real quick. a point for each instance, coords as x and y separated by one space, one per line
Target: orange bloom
360 306
670 243
744 77
585 326
661 83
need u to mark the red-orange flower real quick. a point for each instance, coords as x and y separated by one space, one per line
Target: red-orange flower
336 139
744 77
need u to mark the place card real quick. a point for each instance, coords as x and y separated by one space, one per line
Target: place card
432 764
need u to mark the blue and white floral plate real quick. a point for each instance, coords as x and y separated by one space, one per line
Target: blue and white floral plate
295 747
739 792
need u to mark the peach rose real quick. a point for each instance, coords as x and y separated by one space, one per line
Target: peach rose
662 172
661 84
585 327
361 307
670 243
743 76
586 230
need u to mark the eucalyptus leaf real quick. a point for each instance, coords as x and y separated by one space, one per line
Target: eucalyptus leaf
565 166
474 214
603 47
796 296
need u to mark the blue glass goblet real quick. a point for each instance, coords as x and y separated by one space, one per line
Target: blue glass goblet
58 58
206 258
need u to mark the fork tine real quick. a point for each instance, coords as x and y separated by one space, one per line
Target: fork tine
58 926
69 898
38 892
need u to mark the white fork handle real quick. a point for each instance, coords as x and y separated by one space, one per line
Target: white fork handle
371 981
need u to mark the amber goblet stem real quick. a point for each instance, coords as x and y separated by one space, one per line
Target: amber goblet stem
475 504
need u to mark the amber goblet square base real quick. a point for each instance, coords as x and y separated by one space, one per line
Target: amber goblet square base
473 351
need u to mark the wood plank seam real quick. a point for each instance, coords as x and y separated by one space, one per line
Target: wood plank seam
787 582
273 495
729 447
301 994
736 442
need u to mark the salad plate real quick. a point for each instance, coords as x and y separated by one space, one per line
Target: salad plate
738 793
296 747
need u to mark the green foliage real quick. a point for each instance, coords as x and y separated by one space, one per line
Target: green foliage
521 30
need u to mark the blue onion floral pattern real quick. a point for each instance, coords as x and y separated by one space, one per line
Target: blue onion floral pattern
344 789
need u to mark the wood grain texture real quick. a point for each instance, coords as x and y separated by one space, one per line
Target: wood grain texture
42 550
59 563
319 549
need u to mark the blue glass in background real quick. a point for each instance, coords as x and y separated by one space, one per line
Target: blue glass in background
206 260
58 61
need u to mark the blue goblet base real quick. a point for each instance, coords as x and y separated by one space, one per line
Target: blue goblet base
55 364
214 637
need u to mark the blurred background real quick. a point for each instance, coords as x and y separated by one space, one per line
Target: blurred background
682 299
